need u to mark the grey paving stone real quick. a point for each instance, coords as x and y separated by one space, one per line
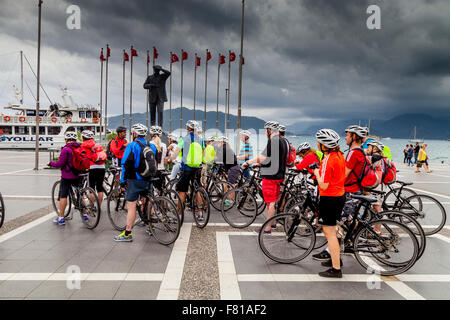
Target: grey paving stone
12 266
260 291
97 290
6 252
45 266
149 266
431 290
317 290
85 265
51 290
17 289
26 254
132 290
14 244
41 245
114 266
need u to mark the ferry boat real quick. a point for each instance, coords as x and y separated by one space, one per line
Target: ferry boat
19 126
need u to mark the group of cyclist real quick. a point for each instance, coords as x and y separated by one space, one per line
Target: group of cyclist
336 177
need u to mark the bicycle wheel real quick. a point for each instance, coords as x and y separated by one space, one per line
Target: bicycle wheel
89 207
2 210
393 251
165 225
217 191
200 207
117 209
55 200
175 197
108 182
258 194
411 223
390 199
239 208
428 212
288 246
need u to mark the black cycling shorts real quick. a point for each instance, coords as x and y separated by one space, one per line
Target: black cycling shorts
185 179
64 187
233 174
96 177
330 210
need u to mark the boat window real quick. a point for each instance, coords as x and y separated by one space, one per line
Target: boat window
54 131
95 114
88 114
82 114
31 113
41 130
6 129
22 130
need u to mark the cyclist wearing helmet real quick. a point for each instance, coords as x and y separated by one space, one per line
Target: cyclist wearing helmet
330 177
159 149
291 150
246 152
69 176
97 157
117 145
173 140
273 167
135 183
309 156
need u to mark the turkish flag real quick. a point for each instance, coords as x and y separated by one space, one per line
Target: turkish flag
125 56
174 58
102 58
134 52
197 62
222 59
232 56
148 58
108 51
243 61
155 53
208 55
184 55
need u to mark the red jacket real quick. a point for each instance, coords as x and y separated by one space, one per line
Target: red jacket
117 147
94 151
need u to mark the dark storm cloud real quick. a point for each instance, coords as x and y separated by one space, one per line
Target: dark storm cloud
308 58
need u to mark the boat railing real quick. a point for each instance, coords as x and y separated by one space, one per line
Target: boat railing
15 119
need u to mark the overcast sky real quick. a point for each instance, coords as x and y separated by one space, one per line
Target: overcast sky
305 60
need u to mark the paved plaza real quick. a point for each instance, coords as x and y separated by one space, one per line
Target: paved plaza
39 260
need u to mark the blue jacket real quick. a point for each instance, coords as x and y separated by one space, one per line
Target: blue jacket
133 153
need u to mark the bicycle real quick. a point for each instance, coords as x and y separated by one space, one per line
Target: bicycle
2 210
83 198
216 185
112 179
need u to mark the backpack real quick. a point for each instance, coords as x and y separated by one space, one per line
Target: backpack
109 154
194 157
291 156
389 172
372 172
80 159
147 163
158 155
319 155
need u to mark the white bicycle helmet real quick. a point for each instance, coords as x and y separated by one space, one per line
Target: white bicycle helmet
139 129
156 130
192 124
70 135
281 128
365 131
359 131
87 134
222 139
376 144
245 133
304 146
328 137
173 137
272 125
211 138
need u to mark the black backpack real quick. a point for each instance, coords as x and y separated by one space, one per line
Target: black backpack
109 154
147 162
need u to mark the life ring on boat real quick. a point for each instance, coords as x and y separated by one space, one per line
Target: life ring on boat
95 120
22 119
54 119
40 119
68 119
7 118
83 120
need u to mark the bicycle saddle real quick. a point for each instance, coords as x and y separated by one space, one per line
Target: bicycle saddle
364 198
404 183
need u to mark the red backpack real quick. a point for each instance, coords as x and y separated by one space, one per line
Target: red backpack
291 156
372 172
80 159
389 172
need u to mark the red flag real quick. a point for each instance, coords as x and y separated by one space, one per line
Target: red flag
222 59
108 51
133 52
174 58
125 56
197 63
232 56
148 58
243 61
102 58
155 53
184 55
208 55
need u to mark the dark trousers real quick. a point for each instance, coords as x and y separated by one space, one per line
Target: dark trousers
153 106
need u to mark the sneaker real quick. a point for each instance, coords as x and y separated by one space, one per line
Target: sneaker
329 264
349 251
257 231
331 273
59 221
199 215
123 238
323 256
149 232
85 217
228 203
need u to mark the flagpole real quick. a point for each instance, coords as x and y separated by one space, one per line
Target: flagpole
226 104
106 94
154 59
123 90
206 87
170 95
181 103
195 80
217 105
101 97
240 69
36 155
147 105
131 91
